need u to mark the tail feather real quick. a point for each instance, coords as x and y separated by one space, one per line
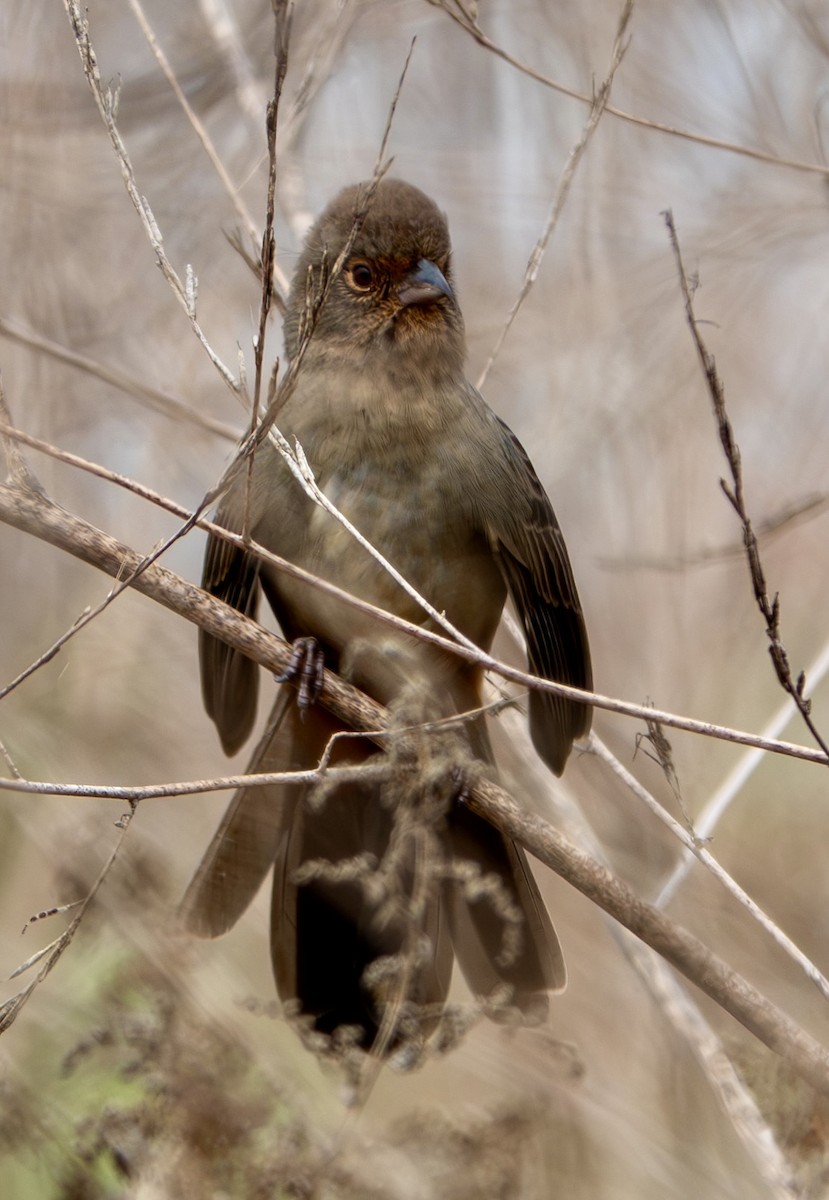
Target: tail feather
328 930
501 931
247 841
330 918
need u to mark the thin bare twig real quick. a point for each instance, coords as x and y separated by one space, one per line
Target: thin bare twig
466 21
694 847
194 787
770 609
283 11
597 107
11 1008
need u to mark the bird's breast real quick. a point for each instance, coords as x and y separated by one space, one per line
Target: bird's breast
417 519
413 519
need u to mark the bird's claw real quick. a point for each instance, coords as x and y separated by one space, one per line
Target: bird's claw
307 670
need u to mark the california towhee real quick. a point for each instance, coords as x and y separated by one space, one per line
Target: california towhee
407 449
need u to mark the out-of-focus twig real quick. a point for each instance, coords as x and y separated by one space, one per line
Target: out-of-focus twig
159 401
207 142
107 103
722 798
693 846
330 30
221 27
597 107
809 507
681 1009
10 1009
460 14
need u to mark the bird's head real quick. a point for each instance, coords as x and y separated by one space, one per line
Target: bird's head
393 296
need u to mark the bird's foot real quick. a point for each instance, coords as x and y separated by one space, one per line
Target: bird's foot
307 670
459 782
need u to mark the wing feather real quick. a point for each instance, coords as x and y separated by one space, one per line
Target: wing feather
533 558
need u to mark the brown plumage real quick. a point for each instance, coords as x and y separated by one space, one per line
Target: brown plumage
410 453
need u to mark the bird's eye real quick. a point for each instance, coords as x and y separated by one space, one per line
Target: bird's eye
361 275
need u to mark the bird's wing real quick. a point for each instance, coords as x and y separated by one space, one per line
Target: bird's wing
248 839
229 680
533 559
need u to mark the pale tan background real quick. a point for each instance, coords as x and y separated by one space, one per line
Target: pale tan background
598 378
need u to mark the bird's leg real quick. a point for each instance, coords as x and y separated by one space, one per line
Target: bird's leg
306 669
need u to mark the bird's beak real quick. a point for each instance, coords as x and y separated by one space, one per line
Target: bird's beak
423 285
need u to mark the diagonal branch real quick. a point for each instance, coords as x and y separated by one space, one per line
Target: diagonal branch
10 514
33 512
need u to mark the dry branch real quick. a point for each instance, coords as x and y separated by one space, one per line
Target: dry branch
34 513
760 742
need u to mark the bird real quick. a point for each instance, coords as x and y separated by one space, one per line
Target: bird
363 936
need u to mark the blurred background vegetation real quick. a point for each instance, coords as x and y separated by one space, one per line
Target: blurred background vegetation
147 1065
